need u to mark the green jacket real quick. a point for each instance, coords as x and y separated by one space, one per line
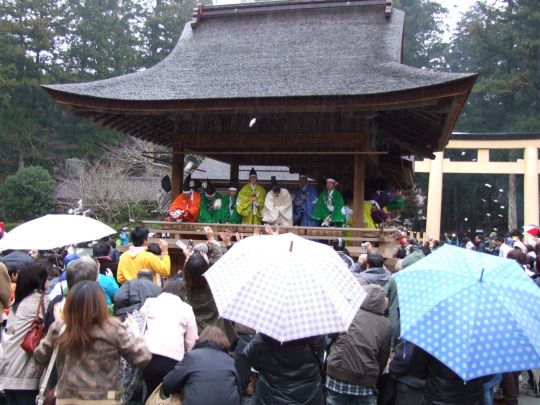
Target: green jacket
226 215
207 213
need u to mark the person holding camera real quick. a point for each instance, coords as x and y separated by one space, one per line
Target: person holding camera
375 272
138 258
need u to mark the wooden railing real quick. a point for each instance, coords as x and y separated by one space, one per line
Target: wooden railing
382 239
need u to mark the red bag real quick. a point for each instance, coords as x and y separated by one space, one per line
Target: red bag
37 330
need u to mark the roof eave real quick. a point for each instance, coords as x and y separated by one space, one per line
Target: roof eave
366 102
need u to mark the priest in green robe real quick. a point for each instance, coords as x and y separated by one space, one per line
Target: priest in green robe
228 214
251 200
328 210
211 203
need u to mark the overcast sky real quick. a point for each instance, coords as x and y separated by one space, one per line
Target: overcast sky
455 9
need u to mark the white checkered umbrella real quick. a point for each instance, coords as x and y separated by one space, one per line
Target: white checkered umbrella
285 286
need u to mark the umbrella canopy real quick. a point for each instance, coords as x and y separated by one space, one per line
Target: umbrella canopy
475 312
286 287
52 231
533 231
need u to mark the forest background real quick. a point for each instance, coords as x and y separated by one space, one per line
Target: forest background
60 41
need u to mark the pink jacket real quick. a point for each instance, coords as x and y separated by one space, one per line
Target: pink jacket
171 329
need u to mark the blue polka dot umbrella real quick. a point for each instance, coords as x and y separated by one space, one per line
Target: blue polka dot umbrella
477 313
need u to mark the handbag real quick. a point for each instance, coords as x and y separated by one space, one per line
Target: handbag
37 329
157 398
47 396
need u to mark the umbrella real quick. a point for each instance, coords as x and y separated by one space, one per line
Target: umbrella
52 231
285 286
476 313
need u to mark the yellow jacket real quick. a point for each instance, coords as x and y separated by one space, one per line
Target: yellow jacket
137 259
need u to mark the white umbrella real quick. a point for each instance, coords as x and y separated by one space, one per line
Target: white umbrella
52 231
286 287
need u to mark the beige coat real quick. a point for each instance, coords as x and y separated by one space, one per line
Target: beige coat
18 371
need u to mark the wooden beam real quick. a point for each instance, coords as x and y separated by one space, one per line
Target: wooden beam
177 169
234 172
359 185
296 153
276 140
155 128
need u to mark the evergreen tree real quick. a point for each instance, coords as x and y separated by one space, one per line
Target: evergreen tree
502 44
164 26
27 194
423 45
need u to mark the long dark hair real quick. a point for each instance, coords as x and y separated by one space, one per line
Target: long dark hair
30 278
194 268
85 308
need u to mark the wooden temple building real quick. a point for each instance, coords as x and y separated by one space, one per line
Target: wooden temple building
324 80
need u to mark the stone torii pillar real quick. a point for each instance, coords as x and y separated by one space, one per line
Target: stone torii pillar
433 222
531 210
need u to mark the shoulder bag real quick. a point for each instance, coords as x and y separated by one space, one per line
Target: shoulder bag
37 329
157 398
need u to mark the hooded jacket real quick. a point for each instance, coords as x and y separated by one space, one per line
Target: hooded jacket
360 355
373 275
133 294
137 259
289 372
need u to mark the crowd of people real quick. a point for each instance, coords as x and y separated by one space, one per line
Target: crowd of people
121 326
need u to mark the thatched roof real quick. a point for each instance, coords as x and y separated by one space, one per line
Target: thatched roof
323 78
283 50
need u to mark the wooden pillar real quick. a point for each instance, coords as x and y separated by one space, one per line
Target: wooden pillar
530 185
235 169
433 223
359 184
177 169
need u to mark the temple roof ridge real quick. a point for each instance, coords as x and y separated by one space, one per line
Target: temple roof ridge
202 12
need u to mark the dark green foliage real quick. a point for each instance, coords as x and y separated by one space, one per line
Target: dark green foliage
45 41
163 27
502 43
422 44
27 194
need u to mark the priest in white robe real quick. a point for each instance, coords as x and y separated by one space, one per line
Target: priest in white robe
278 206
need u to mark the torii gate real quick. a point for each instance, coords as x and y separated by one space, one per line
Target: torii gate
529 166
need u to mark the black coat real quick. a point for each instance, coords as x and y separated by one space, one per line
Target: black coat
16 260
206 375
443 386
289 373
